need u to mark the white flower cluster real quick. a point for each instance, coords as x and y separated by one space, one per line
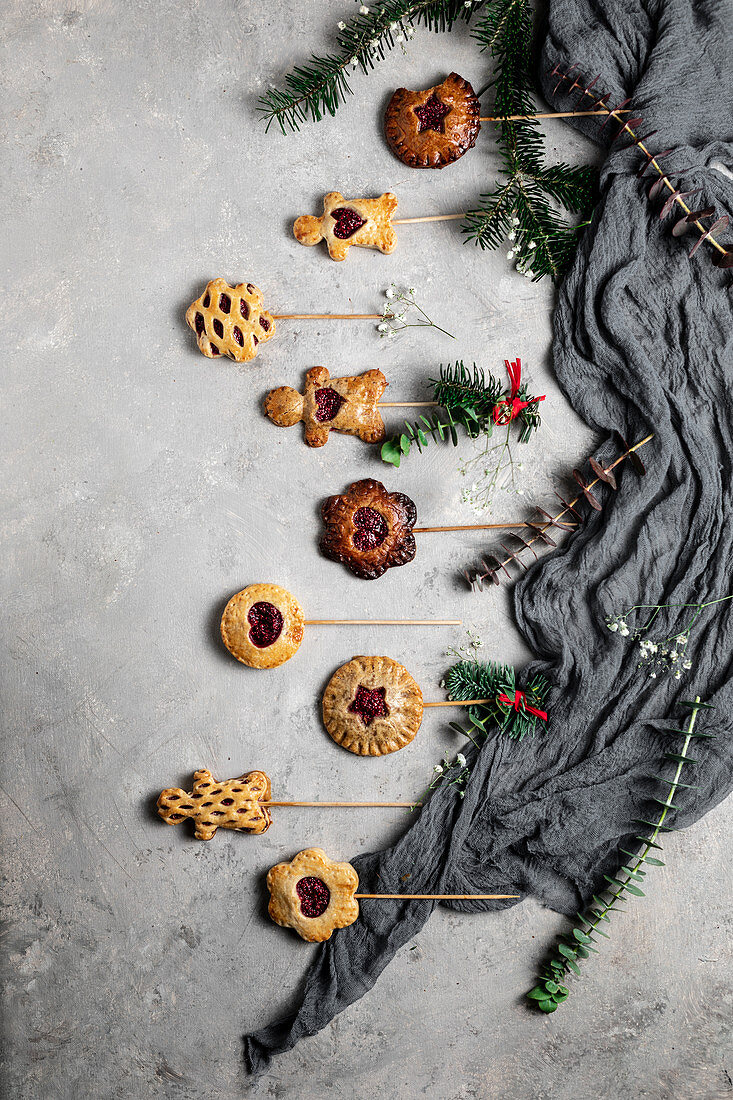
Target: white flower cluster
444 773
522 263
658 657
395 311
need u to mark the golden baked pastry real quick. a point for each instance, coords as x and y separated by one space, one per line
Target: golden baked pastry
435 127
262 626
368 529
372 706
313 895
347 405
230 320
366 223
234 804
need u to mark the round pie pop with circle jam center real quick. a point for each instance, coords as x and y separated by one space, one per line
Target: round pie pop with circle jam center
368 529
262 626
372 706
313 895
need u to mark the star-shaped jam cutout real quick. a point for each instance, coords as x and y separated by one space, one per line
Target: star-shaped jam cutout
347 222
430 116
369 703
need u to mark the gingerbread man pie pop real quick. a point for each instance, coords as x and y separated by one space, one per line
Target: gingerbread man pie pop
435 127
347 405
366 223
230 320
313 895
235 804
372 706
368 529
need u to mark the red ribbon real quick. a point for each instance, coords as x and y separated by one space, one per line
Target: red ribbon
519 701
506 411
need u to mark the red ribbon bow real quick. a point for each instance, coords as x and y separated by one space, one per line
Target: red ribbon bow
519 701
506 411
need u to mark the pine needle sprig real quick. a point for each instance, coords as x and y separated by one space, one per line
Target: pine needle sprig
474 680
519 207
319 87
578 944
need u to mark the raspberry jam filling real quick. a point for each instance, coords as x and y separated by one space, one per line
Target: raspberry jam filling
199 322
347 222
225 303
369 703
431 115
237 334
265 624
328 403
244 309
265 324
314 896
371 529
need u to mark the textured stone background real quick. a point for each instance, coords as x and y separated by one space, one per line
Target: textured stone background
144 486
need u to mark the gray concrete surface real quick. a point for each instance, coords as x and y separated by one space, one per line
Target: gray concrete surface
143 486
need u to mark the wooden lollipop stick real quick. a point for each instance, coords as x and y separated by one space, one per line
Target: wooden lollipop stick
479 527
399 805
458 703
428 218
551 114
327 316
383 622
409 405
439 897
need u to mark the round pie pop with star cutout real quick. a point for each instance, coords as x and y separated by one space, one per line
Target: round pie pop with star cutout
372 706
434 127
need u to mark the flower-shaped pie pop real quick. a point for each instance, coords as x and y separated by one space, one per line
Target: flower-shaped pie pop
230 320
346 405
234 804
368 529
362 222
434 127
313 894
372 706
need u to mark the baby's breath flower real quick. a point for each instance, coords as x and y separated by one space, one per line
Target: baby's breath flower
364 10
461 760
438 769
341 25
687 664
613 627
383 327
390 291
410 31
510 255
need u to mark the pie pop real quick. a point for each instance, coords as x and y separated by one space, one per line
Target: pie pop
315 895
262 626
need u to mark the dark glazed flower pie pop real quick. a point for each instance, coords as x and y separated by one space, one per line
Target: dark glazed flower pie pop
368 529
435 127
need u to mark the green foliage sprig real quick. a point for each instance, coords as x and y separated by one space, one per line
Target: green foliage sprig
474 680
468 398
578 944
522 207
319 87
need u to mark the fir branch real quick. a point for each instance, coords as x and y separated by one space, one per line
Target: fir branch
473 680
319 87
577 945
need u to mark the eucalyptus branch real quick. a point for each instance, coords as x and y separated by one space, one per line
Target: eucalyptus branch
577 945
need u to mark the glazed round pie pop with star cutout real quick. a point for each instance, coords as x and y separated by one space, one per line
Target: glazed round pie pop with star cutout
434 127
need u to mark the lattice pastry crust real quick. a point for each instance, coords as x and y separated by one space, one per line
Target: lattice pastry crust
347 405
262 626
366 223
287 904
372 706
230 320
435 127
368 529
234 804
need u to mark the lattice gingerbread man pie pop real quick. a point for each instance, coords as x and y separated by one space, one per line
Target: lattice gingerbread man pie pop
315 895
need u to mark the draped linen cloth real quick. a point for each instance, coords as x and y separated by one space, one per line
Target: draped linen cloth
643 341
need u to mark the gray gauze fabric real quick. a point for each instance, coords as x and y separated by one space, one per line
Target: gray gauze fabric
643 342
